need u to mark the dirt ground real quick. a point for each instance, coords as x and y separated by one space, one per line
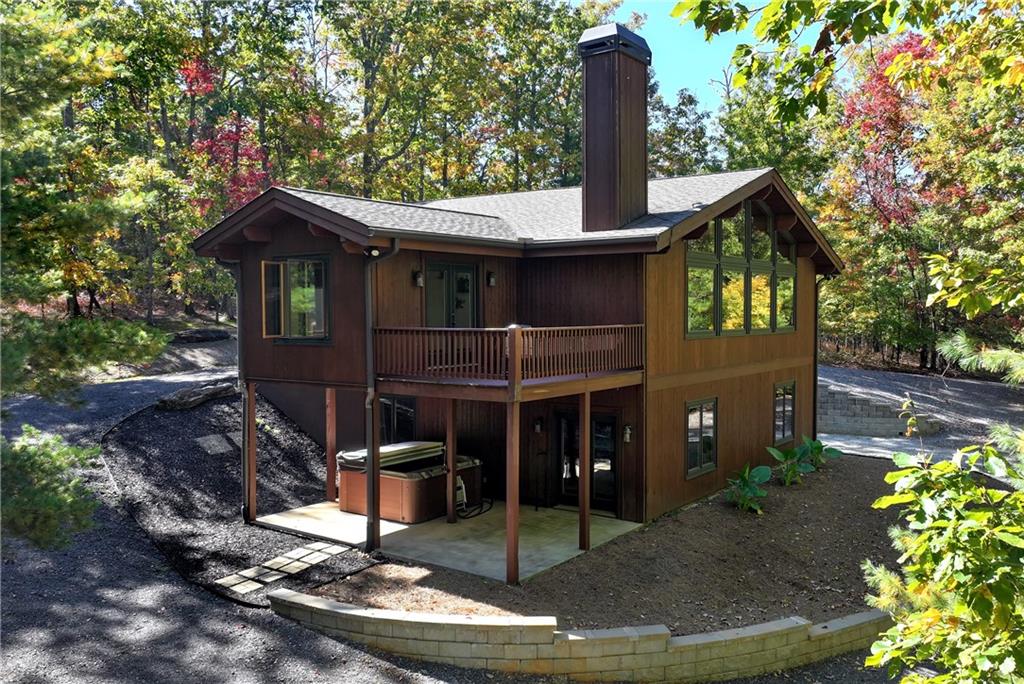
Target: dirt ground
703 568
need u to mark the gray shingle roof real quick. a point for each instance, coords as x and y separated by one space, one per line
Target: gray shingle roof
557 214
537 216
408 218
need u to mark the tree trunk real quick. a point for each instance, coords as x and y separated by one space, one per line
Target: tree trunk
264 147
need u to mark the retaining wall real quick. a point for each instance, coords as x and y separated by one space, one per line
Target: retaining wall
844 412
536 645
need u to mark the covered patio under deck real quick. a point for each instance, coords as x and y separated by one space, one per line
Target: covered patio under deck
547 536
508 365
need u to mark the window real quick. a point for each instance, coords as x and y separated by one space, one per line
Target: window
701 436
740 275
397 419
785 396
295 298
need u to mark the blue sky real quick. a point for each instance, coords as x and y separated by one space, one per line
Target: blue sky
682 59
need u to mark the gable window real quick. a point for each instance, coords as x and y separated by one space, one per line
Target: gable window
295 298
785 397
740 275
701 437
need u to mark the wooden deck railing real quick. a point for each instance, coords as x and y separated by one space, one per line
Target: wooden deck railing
500 354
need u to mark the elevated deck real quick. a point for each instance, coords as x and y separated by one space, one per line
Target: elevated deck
508 364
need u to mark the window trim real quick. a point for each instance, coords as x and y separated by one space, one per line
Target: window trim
691 473
283 262
721 263
791 384
263 296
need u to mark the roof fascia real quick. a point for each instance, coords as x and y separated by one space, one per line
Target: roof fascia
274 198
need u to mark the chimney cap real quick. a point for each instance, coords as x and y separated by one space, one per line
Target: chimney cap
614 38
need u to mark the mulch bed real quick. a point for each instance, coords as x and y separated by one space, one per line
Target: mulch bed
703 568
189 501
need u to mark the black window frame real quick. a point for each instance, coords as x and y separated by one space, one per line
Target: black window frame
389 418
779 439
284 264
704 467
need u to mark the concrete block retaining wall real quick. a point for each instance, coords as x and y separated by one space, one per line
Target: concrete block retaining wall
536 645
843 412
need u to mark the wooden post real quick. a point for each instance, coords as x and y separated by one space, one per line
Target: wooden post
450 451
331 441
373 481
249 469
585 471
512 493
515 362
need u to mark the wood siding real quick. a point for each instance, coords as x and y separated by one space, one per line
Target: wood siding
591 290
740 371
340 359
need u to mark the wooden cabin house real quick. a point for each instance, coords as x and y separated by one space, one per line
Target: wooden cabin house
626 345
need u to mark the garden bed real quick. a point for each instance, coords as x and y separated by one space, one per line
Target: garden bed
179 475
703 568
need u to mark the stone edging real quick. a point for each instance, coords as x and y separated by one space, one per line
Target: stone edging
536 645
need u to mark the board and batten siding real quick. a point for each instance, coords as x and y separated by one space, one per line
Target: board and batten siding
740 371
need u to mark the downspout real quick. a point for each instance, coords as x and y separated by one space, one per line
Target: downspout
235 268
375 257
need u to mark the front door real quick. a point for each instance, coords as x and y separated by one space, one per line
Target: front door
603 458
451 294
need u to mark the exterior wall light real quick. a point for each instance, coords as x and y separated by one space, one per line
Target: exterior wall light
417 278
538 425
627 434
492 279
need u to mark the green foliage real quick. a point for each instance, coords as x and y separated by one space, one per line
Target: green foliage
744 489
41 499
969 284
793 465
50 357
813 451
959 601
800 43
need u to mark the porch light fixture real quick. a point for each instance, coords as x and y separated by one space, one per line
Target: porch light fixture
538 425
627 434
492 279
372 252
417 278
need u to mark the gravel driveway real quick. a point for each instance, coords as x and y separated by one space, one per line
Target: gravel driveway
110 609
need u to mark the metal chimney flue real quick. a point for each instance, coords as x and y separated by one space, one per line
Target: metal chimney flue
615 62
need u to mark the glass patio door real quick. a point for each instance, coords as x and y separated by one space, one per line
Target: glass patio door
451 296
603 458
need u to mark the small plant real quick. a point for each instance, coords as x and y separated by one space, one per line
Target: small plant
792 466
745 490
42 499
813 451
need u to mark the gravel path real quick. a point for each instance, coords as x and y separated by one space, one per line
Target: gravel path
967 408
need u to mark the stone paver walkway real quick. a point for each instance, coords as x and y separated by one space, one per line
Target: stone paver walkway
290 563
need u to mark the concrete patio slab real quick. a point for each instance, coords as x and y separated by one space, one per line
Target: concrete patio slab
547 537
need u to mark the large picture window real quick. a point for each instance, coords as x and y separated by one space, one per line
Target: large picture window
295 298
701 436
397 419
741 275
785 423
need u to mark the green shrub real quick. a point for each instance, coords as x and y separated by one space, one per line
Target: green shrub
41 499
792 467
817 454
959 601
744 489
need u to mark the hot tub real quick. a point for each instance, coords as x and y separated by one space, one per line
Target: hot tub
412 481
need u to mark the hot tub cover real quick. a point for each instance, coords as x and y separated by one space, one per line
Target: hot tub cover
393 454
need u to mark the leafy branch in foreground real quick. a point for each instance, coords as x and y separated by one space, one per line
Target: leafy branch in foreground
41 499
959 601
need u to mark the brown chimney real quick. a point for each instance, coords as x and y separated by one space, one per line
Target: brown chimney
615 64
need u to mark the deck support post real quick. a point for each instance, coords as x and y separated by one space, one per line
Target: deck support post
450 451
249 457
512 492
373 480
585 471
331 441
